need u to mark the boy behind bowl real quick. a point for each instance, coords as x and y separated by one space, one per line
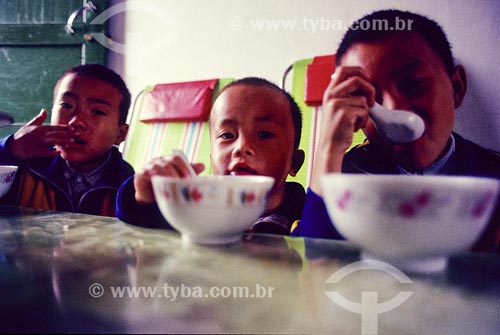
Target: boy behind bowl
255 129
410 69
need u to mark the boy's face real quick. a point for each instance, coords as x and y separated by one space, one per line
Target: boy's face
407 74
91 108
252 133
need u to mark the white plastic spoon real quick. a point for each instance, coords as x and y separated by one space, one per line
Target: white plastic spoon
399 126
182 155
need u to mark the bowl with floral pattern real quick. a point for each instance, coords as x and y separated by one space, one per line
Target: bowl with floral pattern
7 175
212 209
412 221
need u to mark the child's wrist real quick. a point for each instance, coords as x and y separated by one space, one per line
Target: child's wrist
144 199
10 148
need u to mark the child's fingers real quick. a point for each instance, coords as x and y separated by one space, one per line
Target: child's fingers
157 166
59 135
181 167
344 72
198 167
50 153
39 119
347 81
171 166
352 86
58 142
168 170
143 188
351 114
61 128
160 166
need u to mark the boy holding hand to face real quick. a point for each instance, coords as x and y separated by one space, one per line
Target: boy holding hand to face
410 69
84 171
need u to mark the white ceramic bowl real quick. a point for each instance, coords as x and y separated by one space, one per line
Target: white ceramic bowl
7 175
411 221
212 209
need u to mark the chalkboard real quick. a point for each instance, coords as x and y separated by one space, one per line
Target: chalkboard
35 49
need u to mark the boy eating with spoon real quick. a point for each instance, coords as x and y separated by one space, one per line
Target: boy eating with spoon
255 129
411 70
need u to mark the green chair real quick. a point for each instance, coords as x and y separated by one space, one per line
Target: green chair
147 140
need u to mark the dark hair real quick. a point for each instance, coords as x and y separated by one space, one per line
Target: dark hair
294 108
102 73
431 32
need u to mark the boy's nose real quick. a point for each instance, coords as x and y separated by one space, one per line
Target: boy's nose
392 101
77 122
243 148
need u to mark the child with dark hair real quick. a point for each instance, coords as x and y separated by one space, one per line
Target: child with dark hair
73 164
410 69
255 129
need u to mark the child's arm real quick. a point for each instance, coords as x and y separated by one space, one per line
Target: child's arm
135 201
145 215
345 110
172 166
34 140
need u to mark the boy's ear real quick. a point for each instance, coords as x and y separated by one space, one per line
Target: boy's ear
459 82
122 134
297 161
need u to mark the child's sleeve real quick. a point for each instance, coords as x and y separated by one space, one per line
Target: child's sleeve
130 211
315 220
5 157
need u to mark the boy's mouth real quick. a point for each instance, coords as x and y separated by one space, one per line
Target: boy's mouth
79 141
407 146
242 169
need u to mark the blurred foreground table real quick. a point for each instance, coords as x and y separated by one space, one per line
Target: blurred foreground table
66 272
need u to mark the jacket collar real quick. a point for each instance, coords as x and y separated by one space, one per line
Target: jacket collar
52 170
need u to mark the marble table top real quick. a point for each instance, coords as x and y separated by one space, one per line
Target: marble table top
67 272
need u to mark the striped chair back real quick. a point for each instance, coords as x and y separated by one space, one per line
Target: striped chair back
148 140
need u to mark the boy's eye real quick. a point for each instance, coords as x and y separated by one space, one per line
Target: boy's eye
66 105
226 136
265 134
98 112
414 87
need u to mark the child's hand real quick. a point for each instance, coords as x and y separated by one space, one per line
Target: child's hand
34 140
171 166
345 110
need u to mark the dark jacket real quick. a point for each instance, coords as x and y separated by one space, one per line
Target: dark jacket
149 216
469 159
40 183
